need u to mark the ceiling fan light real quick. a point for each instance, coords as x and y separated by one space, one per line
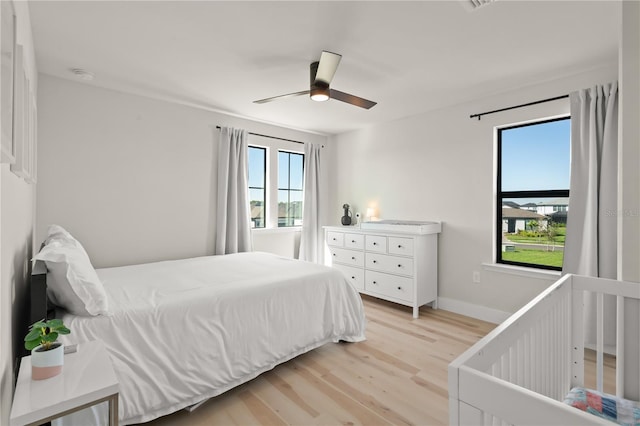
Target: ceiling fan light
320 94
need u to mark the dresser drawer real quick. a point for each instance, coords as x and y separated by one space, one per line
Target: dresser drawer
376 243
354 241
389 285
347 257
401 246
335 239
391 264
353 274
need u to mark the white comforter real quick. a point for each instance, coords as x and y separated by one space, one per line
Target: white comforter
183 331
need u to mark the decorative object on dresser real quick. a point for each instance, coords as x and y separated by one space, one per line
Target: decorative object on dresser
346 219
389 259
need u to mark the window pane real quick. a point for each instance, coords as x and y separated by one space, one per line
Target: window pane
536 157
256 201
296 171
534 230
295 207
283 170
257 166
283 207
257 178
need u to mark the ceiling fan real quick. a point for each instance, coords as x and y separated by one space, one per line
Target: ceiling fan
321 74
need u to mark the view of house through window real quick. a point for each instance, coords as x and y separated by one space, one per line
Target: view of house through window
533 193
290 187
257 185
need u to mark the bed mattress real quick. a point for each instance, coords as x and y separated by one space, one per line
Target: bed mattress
183 331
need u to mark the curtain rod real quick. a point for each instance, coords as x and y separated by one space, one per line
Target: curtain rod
272 137
517 106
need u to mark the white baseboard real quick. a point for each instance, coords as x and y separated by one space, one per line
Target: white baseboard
475 311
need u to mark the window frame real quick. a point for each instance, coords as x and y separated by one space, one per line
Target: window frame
501 195
289 189
264 189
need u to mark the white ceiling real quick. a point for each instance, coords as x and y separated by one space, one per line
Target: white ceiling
410 57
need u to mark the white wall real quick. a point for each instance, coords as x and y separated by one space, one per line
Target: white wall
16 241
131 177
440 166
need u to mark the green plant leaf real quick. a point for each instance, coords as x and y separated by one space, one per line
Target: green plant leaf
39 324
31 345
33 334
54 323
63 330
51 337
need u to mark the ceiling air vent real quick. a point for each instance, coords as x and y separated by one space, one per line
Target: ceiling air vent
472 5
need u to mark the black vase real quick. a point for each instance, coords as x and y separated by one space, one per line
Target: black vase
346 219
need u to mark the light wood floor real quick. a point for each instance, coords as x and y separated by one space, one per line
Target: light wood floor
397 376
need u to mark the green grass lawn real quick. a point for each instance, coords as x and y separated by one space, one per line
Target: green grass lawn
538 257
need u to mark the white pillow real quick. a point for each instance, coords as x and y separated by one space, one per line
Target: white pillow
72 282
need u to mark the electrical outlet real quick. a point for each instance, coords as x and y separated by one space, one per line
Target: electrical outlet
476 277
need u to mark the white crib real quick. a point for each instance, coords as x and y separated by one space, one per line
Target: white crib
520 372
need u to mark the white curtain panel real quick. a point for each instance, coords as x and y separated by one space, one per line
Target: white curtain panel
591 244
310 239
233 218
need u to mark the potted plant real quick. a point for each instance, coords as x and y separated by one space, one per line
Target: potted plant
47 355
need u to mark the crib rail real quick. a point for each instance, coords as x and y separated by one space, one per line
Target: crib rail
520 372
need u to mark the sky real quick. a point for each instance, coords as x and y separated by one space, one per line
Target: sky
536 157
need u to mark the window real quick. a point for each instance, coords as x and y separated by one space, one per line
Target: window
257 185
533 193
275 182
290 187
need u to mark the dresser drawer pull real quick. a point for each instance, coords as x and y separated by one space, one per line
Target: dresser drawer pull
375 282
334 255
353 241
399 288
399 246
399 265
352 277
375 261
375 244
333 239
353 258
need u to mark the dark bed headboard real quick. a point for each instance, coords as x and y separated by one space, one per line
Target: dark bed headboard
39 305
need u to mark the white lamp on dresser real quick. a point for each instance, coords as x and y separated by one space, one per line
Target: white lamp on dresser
389 259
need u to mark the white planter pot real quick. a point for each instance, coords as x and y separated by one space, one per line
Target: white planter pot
45 364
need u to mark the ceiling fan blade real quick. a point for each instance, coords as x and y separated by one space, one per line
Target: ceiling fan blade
275 98
352 99
327 67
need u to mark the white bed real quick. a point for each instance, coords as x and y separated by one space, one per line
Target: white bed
521 372
183 331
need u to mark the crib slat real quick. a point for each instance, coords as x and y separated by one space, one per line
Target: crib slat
577 338
599 342
527 360
620 346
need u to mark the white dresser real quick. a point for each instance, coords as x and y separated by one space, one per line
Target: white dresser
392 260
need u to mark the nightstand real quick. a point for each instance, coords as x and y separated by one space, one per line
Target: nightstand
87 379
